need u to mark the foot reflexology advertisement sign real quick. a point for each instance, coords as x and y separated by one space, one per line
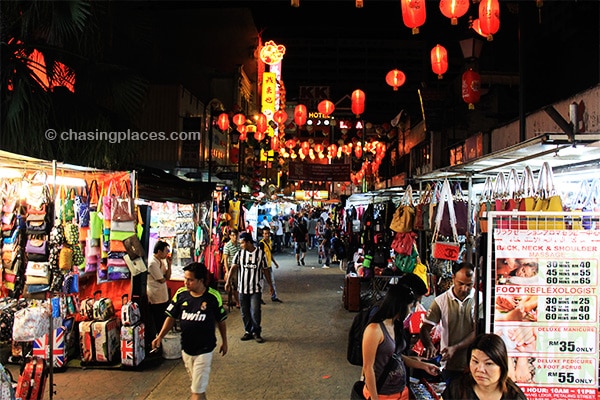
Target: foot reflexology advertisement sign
544 305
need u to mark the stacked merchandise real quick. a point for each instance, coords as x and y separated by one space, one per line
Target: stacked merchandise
99 332
13 240
119 224
133 348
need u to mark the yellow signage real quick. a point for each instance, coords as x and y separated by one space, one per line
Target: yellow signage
269 94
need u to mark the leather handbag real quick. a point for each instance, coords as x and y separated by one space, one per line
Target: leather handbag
122 205
403 242
527 191
404 216
134 247
422 208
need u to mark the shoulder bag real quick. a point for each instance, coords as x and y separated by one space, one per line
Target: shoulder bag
442 249
404 216
548 201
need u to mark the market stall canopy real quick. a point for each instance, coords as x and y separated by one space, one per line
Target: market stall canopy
158 185
556 149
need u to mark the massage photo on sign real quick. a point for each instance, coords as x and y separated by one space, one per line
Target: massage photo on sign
516 308
517 271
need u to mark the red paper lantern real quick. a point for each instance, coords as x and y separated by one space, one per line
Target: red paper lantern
261 124
223 121
470 88
358 152
395 78
300 114
439 60
326 107
358 102
489 17
318 148
275 143
239 119
454 9
477 28
280 116
413 14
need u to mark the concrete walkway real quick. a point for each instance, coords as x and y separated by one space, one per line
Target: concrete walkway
303 356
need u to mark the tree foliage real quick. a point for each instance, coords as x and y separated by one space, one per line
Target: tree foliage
73 37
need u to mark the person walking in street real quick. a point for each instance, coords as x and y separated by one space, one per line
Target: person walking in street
278 232
159 271
312 232
300 234
266 245
287 233
230 249
200 311
326 243
454 310
249 264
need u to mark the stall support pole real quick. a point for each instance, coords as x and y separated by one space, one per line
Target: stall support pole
469 240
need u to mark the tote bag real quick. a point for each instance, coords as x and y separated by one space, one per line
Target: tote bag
548 201
445 250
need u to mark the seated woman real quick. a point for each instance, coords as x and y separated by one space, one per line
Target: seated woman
383 341
487 377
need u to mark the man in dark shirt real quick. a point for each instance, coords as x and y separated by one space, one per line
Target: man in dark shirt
300 234
199 309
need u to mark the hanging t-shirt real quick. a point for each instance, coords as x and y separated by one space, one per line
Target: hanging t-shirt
234 212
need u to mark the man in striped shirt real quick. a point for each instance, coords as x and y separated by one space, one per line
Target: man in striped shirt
250 264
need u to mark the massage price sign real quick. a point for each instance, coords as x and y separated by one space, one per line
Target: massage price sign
545 306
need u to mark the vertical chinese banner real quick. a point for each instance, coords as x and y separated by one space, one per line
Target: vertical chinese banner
269 92
545 307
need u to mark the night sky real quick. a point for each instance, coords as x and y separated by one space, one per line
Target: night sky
559 46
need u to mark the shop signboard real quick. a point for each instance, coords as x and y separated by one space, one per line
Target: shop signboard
544 304
319 172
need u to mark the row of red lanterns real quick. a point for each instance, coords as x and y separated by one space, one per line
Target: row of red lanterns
414 14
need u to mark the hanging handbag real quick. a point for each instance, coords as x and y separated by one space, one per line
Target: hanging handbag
548 201
441 249
403 242
122 205
134 247
406 263
67 208
527 190
485 205
404 216
460 206
35 189
65 258
422 209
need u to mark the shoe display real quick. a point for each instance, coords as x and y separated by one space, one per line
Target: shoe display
258 339
247 336
276 300
325 266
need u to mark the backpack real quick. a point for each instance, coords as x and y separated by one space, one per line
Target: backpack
130 311
355 335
